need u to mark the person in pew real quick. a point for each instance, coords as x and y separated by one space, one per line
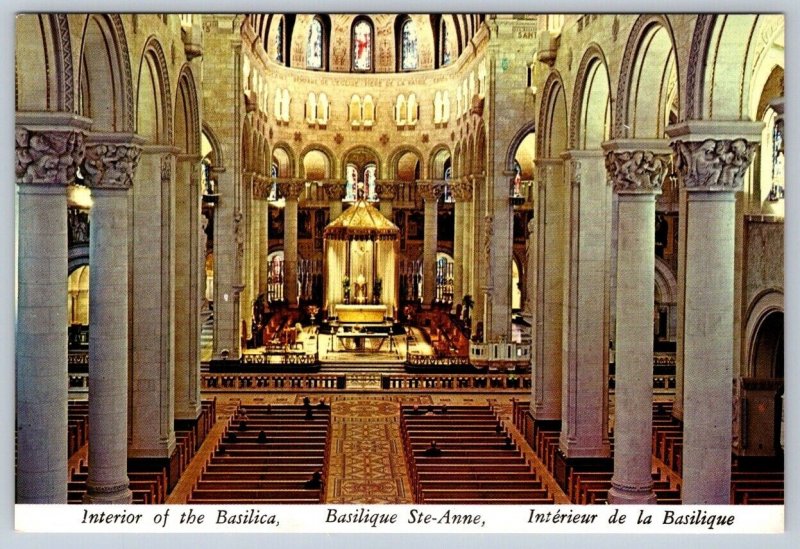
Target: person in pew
509 443
242 425
415 410
432 450
306 402
315 482
262 437
269 408
444 409
322 404
309 413
231 436
498 428
220 450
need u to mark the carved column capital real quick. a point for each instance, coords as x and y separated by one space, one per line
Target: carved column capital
48 157
292 189
110 161
461 189
637 171
386 190
334 190
430 191
713 164
261 187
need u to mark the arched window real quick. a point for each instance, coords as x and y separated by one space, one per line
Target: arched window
315 50
412 109
400 110
279 41
409 54
369 182
355 110
285 106
311 108
273 190
278 101
448 175
323 112
362 45
352 182
368 113
437 108
446 54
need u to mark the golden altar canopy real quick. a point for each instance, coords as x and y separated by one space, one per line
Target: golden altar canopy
360 259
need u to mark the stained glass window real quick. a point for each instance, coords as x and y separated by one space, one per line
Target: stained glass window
279 42
446 53
362 46
448 193
410 55
369 182
352 181
314 45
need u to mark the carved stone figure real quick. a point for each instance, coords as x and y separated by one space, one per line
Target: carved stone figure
49 157
714 164
110 165
636 170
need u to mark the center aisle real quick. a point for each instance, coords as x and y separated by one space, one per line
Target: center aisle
366 461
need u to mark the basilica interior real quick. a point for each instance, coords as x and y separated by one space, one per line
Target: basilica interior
399 258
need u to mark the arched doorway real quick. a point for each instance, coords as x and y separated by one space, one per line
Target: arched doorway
761 399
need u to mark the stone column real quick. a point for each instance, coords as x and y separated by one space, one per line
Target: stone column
263 235
291 191
152 317
430 193
228 249
246 266
462 192
548 295
478 252
109 167
584 400
637 176
711 166
386 191
498 252
189 281
47 158
335 191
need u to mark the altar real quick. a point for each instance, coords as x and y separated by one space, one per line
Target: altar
361 283
359 313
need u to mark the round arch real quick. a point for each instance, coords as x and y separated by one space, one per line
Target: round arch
330 158
187 113
283 154
154 102
649 58
760 331
591 95
47 54
437 160
522 133
553 132
360 155
105 78
397 155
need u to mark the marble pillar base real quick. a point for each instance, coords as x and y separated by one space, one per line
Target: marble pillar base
631 495
108 495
